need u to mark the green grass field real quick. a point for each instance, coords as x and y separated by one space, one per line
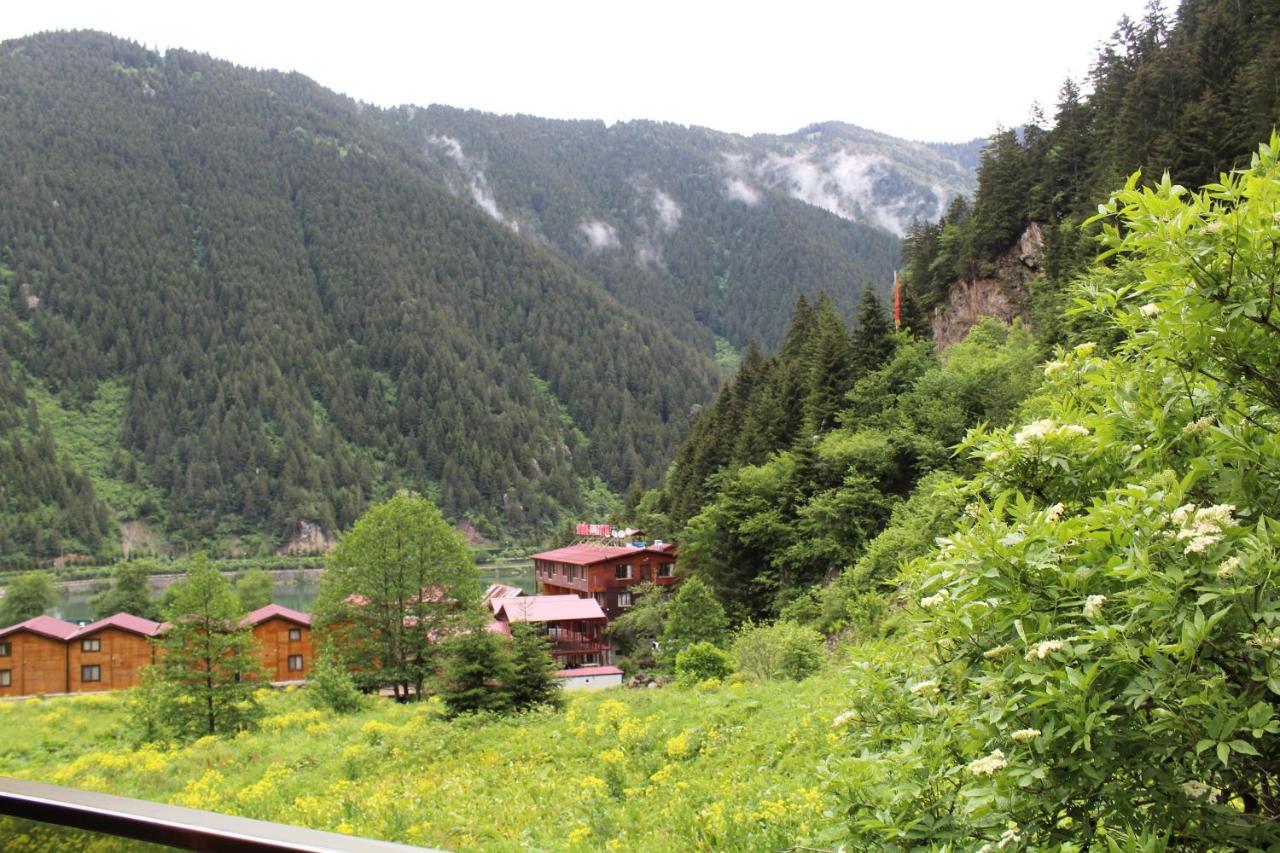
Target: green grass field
734 766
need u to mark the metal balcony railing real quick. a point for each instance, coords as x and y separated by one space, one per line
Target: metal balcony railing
160 823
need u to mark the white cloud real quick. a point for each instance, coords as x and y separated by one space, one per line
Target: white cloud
601 236
668 211
737 189
477 184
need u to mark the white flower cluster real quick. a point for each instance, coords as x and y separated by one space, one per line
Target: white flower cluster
1043 649
935 599
927 688
1228 567
1043 430
1054 367
1203 527
846 717
1086 347
1195 789
1054 513
1149 310
1265 641
1025 735
1199 425
995 456
998 651
988 764
1093 605
1007 838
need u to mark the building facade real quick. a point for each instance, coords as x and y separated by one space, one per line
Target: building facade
110 653
574 625
283 638
604 573
33 657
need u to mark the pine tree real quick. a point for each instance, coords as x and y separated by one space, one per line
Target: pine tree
477 670
873 338
208 656
829 368
533 670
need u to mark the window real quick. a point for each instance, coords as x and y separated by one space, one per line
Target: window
6 677
622 572
295 663
94 645
5 650
92 672
664 569
295 634
624 599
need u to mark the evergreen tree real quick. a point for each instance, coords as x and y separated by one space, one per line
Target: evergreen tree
829 368
695 616
130 591
873 336
208 657
28 595
532 679
477 669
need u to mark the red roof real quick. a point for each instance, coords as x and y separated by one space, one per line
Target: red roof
585 555
547 608
124 622
275 611
588 670
501 590
45 626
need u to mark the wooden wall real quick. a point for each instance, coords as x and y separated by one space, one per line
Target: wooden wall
38 665
121 656
272 637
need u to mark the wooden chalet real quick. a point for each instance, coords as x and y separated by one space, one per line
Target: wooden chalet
575 626
33 657
283 637
605 573
108 654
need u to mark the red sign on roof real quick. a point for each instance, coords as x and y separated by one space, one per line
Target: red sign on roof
602 530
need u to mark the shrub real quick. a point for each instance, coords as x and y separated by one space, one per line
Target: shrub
780 650
702 662
332 686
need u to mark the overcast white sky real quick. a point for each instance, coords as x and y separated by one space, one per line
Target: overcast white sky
946 70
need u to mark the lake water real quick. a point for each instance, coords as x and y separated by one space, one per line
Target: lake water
294 589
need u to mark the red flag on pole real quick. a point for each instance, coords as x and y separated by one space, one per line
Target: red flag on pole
897 301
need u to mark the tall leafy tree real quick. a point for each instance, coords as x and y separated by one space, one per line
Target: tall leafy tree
129 592
695 616
28 595
255 588
399 583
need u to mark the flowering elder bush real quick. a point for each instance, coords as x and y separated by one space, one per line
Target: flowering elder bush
1107 611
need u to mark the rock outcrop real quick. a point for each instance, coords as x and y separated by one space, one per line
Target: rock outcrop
1003 295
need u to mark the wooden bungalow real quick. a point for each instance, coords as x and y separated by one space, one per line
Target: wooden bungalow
108 654
605 573
33 657
575 626
283 638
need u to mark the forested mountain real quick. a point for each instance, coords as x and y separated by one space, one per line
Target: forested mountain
232 301
710 232
280 316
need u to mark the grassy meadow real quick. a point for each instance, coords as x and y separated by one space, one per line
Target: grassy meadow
719 766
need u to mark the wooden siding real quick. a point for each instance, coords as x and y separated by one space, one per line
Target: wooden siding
600 581
272 638
121 656
36 664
